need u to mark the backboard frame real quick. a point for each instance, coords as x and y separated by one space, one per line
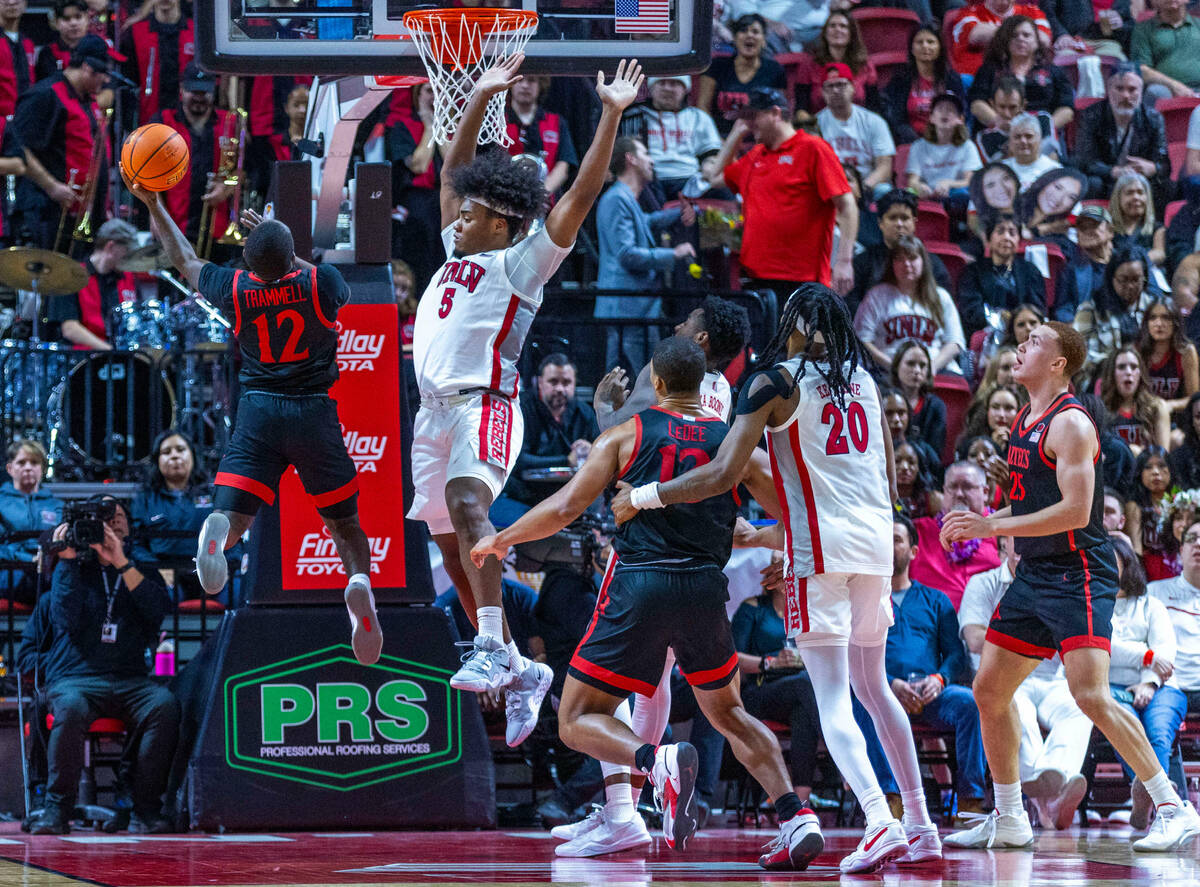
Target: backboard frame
689 53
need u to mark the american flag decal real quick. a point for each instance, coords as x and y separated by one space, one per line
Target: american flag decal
643 16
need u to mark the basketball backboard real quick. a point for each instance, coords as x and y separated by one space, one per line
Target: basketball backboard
368 37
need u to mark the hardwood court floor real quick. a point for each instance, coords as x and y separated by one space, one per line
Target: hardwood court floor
718 857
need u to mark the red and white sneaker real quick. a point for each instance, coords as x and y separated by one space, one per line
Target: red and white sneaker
923 844
674 779
799 843
879 846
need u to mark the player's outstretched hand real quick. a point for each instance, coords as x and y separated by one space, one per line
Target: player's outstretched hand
485 548
612 390
624 87
622 508
500 76
250 219
959 526
147 197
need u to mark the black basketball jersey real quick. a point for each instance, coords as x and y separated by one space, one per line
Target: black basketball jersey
287 334
1033 484
669 444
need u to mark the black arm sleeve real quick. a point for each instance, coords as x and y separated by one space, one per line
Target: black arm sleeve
755 394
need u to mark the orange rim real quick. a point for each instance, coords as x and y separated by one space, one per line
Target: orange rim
456 35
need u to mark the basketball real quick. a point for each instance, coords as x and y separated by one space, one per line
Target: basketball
155 156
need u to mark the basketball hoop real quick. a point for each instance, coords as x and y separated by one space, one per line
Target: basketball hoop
457 46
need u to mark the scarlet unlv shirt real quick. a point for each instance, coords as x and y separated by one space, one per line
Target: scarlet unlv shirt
788 201
967 58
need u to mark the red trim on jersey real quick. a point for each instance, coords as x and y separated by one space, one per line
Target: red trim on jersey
505 329
317 304
637 445
689 418
1046 460
810 501
246 484
237 306
785 514
1087 586
1014 645
611 678
287 276
1085 641
333 497
713 674
1054 403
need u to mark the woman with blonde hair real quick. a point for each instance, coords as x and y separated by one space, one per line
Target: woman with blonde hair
1132 209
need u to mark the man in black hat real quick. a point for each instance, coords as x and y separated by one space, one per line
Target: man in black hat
55 130
794 189
210 134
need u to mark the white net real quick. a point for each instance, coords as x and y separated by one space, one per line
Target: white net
456 47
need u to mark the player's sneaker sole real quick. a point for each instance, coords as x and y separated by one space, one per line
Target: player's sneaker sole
366 637
679 807
211 566
531 688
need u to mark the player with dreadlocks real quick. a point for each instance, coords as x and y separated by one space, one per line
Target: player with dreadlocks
831 456
470 328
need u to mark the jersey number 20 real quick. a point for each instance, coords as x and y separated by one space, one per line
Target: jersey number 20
294 321
854 420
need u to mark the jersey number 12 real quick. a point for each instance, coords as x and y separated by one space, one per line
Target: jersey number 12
294 321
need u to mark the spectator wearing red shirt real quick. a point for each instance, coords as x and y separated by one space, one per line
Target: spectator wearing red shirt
793 189
975 28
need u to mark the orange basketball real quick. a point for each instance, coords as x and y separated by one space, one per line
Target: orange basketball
155 157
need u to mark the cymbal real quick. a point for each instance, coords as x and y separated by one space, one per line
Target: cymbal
54 273
145 259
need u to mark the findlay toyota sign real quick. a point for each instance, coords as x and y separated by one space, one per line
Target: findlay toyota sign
325 720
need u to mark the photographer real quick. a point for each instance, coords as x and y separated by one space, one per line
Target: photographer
105 614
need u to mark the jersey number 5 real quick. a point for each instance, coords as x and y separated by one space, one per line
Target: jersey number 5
294 320
854 419
447 302
674 459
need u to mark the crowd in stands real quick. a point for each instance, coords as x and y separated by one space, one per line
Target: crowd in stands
1020 162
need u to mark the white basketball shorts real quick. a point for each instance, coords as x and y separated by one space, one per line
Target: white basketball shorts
475 436
839 608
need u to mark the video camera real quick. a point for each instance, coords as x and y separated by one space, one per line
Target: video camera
572 547
85 523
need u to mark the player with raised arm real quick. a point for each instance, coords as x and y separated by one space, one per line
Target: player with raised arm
664 589
284 314
1062 595
470 328
831 457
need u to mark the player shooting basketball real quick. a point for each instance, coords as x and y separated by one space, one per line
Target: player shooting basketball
284 312
470 328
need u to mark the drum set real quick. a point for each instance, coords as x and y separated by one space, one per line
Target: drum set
98 412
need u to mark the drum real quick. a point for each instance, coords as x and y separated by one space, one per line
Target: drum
110 408
140 325
28 373
197 330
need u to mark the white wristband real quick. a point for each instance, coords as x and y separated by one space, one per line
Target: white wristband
645 496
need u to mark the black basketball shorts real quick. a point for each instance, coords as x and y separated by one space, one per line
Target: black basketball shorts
1058 604
277 430
643 610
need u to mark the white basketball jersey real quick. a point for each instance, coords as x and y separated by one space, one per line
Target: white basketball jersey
471 325
832 464
715 397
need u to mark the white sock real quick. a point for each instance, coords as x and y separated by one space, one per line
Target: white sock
915 810
1008 798
1161 791
618 802
519 662
362 578
828 667
491 622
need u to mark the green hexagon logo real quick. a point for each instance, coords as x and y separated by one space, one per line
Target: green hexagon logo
325 720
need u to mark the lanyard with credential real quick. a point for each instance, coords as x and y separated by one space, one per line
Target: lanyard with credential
108 631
